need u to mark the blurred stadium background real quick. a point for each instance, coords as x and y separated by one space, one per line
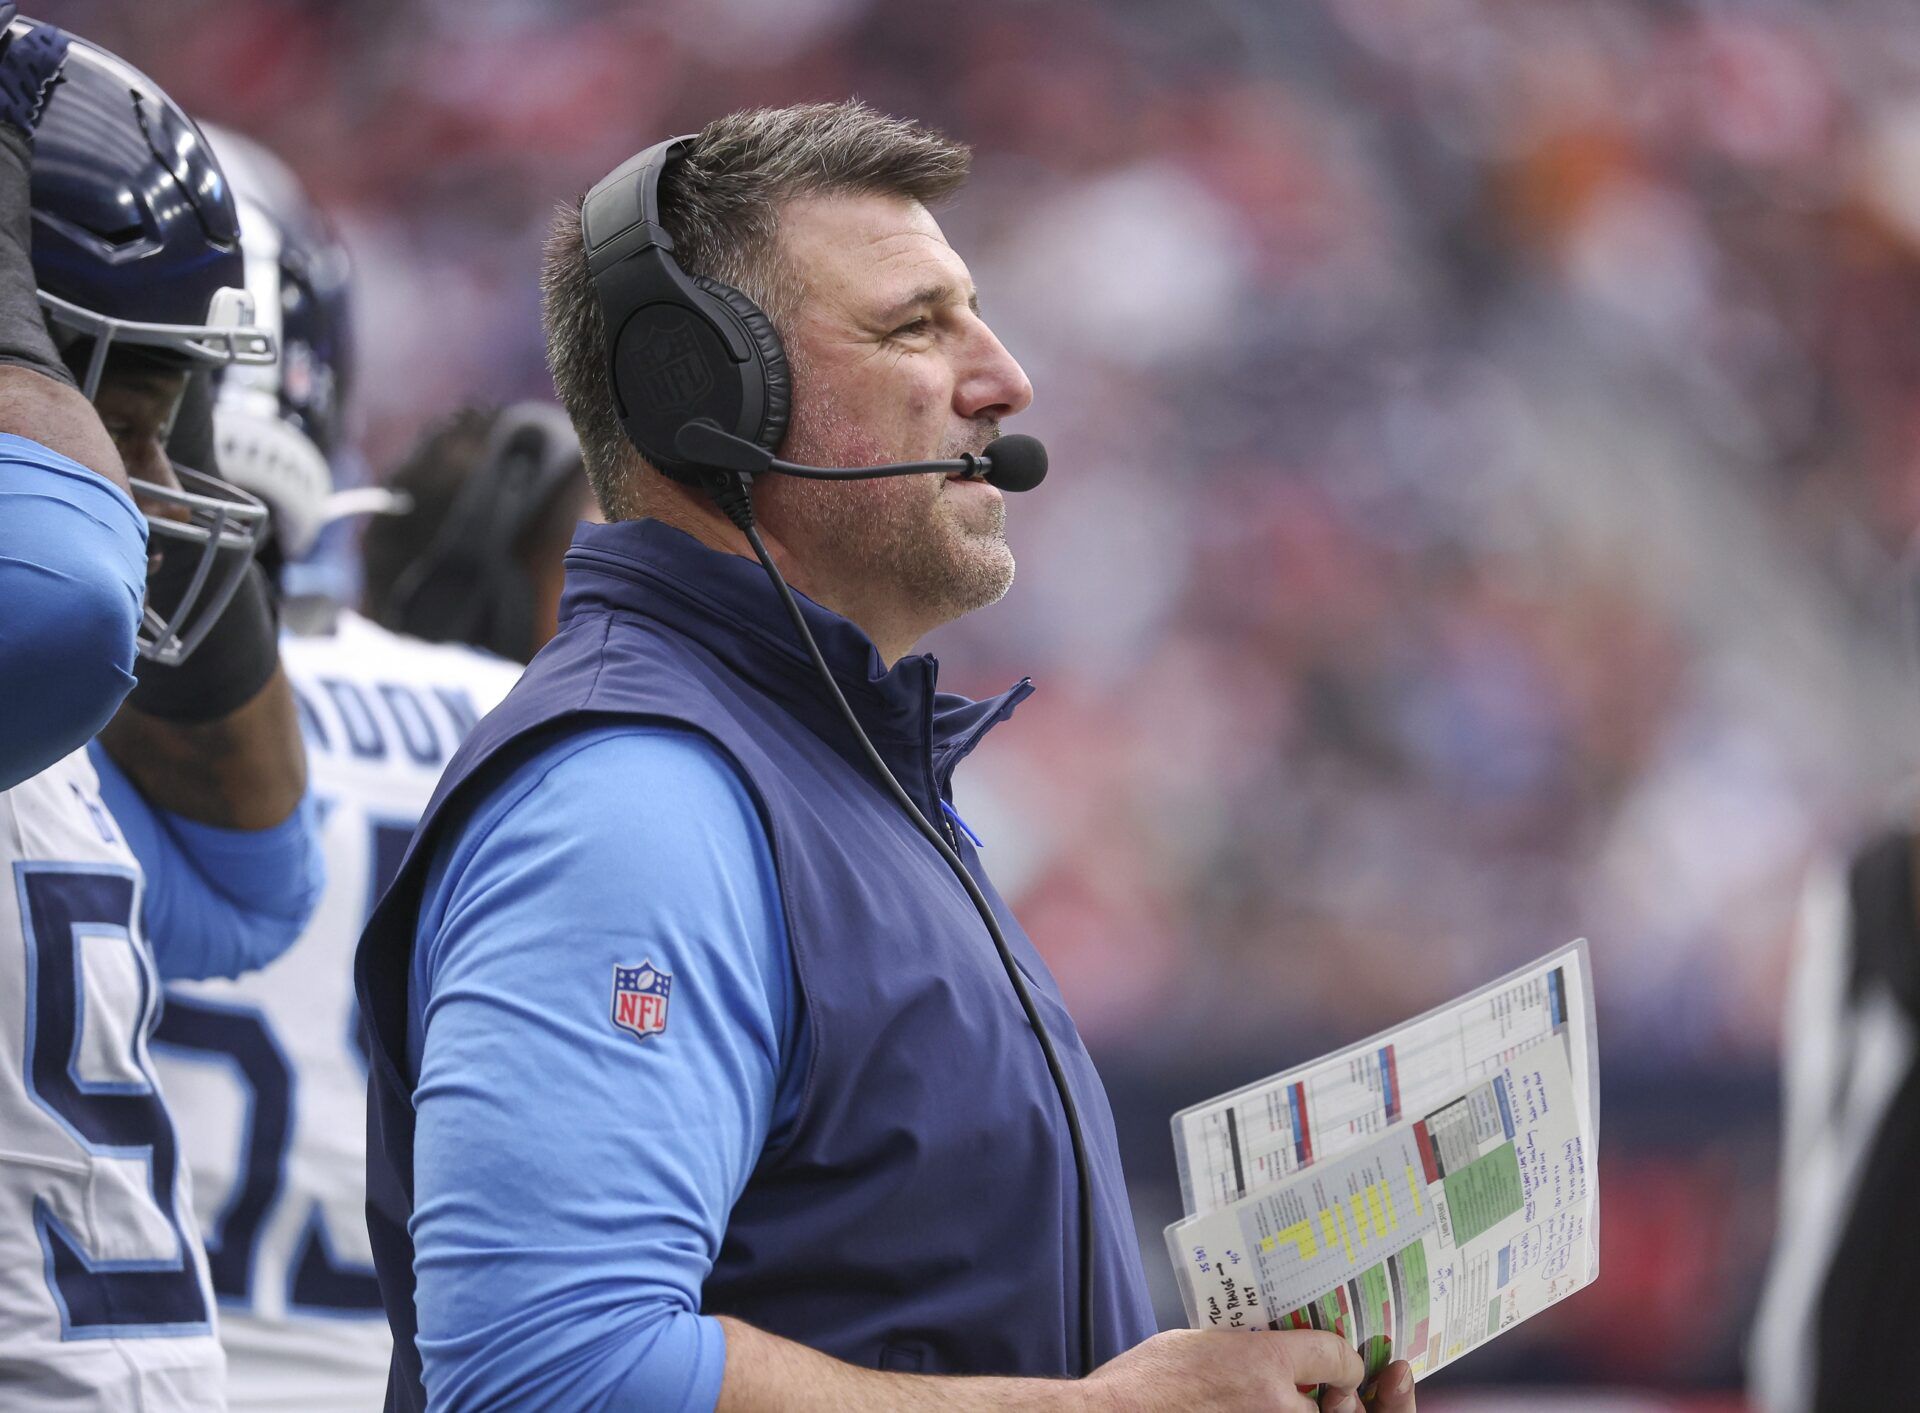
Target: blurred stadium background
1486 434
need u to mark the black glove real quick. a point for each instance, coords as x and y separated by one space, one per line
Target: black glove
30 66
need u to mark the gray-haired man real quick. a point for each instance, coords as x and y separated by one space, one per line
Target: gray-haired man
805 1152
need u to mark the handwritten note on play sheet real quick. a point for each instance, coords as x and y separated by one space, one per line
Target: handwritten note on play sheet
1416 1193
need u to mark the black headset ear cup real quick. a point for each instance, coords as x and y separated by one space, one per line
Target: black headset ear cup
773 360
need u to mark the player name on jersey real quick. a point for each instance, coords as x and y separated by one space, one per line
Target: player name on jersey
384 720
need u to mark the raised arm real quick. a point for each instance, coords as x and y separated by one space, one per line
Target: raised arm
73 567
72 546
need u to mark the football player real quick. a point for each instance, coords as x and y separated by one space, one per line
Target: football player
266 1072
180 843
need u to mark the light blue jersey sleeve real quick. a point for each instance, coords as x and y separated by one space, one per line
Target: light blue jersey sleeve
73 574
215 902
572 1179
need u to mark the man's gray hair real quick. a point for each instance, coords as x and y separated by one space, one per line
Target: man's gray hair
721 202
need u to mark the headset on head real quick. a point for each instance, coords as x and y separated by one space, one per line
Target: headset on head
680 347
467 586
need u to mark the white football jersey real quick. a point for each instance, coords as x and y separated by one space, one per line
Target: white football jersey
267 1074
105 1301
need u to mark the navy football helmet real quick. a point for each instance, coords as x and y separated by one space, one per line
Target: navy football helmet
136 243
279 426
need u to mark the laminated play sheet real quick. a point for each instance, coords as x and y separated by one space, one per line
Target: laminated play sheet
1417 1193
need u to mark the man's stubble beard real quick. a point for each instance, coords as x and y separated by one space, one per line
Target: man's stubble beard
943 551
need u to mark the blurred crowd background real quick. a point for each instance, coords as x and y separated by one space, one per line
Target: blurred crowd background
1486 438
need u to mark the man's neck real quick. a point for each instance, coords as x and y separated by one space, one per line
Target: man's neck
689 511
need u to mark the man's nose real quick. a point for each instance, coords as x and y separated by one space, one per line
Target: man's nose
992 385
146 460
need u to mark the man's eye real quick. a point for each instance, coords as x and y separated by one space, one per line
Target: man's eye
917 326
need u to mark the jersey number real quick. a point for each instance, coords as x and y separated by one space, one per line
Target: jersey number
124 1118
242 1037
319 1281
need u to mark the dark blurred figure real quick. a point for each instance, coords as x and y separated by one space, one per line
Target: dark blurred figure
1844 1286
493 497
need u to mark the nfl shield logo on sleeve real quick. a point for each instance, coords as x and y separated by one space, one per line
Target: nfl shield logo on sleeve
640 999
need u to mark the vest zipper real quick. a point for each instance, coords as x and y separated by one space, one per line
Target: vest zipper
954 825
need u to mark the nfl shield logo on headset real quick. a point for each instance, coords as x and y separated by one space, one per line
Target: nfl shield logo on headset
640 999
673 375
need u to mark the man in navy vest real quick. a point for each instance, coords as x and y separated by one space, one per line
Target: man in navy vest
697 1081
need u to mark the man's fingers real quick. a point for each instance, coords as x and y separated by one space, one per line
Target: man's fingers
1393 1391
1322 1357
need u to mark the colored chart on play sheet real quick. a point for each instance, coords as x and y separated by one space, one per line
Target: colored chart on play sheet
1346 1213
1234 1146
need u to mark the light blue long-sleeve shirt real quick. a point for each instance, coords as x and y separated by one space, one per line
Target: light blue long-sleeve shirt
73 574
572 1180
215 902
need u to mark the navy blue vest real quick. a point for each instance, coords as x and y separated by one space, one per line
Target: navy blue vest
923 1214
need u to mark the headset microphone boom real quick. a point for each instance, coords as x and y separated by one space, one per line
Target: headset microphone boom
1013 463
